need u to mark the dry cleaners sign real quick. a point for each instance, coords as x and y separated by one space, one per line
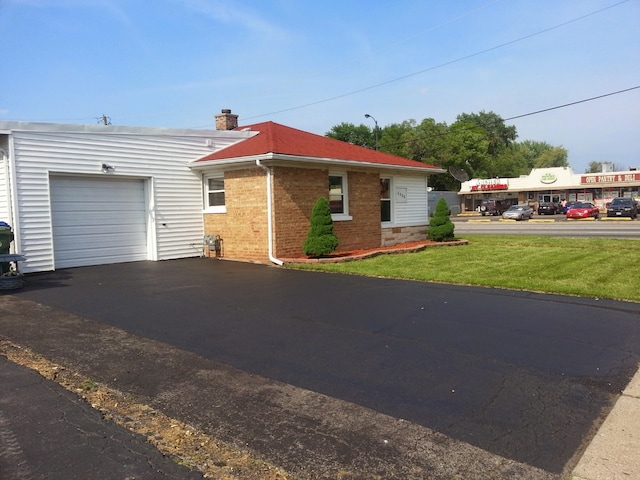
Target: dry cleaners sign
490 184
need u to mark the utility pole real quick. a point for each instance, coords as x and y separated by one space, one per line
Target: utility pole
103 119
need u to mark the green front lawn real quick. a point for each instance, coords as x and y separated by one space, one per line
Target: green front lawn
589 267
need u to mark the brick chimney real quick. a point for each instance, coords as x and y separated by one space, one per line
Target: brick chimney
226 120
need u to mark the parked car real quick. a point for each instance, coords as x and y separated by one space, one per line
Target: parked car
622 207
548 208
493 207
518 212
567 206
583 210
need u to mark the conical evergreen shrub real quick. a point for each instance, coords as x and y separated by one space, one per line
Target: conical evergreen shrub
320 240
441 227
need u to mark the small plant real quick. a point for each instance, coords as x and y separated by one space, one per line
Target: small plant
320 240
89 385
440 226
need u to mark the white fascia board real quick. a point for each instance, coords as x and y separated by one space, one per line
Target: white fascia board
354 163
275 158
249 161
11 126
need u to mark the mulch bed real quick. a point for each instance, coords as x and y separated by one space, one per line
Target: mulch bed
351 255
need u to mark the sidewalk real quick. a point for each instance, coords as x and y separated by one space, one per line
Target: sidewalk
614 453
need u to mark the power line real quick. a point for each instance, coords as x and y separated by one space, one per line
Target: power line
448 132
387 47
435 67
572 103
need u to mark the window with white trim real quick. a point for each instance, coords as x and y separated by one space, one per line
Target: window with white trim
338 196
214 194
385 199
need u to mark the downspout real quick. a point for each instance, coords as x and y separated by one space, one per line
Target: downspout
5 163
269 214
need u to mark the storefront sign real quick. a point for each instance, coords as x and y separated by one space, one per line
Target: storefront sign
490 184
610 178
548 178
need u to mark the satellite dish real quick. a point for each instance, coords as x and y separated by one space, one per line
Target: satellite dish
459 174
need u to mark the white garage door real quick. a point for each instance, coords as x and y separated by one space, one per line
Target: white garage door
98 221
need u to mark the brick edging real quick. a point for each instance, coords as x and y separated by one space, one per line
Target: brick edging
375 253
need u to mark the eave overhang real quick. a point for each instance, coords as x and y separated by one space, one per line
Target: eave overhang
270 159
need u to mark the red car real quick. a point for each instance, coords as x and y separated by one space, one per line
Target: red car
583 210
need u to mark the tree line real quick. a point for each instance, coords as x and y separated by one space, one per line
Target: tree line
476 145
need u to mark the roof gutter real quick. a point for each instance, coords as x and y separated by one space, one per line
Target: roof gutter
269 214
275 157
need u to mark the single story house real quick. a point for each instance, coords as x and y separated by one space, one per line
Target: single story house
80 195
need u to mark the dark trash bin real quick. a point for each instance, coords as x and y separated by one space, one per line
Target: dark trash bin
6 237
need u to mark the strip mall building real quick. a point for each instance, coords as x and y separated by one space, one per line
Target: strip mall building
552 185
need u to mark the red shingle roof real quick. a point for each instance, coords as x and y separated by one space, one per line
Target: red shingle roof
274 138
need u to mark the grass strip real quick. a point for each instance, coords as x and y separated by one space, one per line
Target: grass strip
586 267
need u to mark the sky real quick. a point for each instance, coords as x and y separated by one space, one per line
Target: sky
312 65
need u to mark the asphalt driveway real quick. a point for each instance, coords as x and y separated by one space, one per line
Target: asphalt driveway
524 376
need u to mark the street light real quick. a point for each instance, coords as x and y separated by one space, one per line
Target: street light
375 131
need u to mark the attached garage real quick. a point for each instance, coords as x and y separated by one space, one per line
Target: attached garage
98 220
79 195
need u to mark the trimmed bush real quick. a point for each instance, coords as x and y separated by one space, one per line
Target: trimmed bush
320 240
440 226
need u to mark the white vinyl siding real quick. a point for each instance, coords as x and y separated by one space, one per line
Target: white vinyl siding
174 195
98 221
412 210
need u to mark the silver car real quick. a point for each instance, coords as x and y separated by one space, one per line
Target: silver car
518 212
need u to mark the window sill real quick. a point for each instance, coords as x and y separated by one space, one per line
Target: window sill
340 217
215 210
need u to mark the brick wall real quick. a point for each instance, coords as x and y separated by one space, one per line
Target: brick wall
364 206
243 228
295 191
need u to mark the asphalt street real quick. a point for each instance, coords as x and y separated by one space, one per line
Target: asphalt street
524 376
56 435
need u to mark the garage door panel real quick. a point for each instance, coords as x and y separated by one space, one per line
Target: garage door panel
98 221
99 240
104 230
114 220
95 206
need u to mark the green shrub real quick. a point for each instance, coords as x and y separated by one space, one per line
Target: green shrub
320 240
440 226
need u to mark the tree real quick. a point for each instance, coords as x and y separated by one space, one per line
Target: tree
320 240
499 135
552 157
480 144
461 147
521 157
360 135
392 137
440 226
594 167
